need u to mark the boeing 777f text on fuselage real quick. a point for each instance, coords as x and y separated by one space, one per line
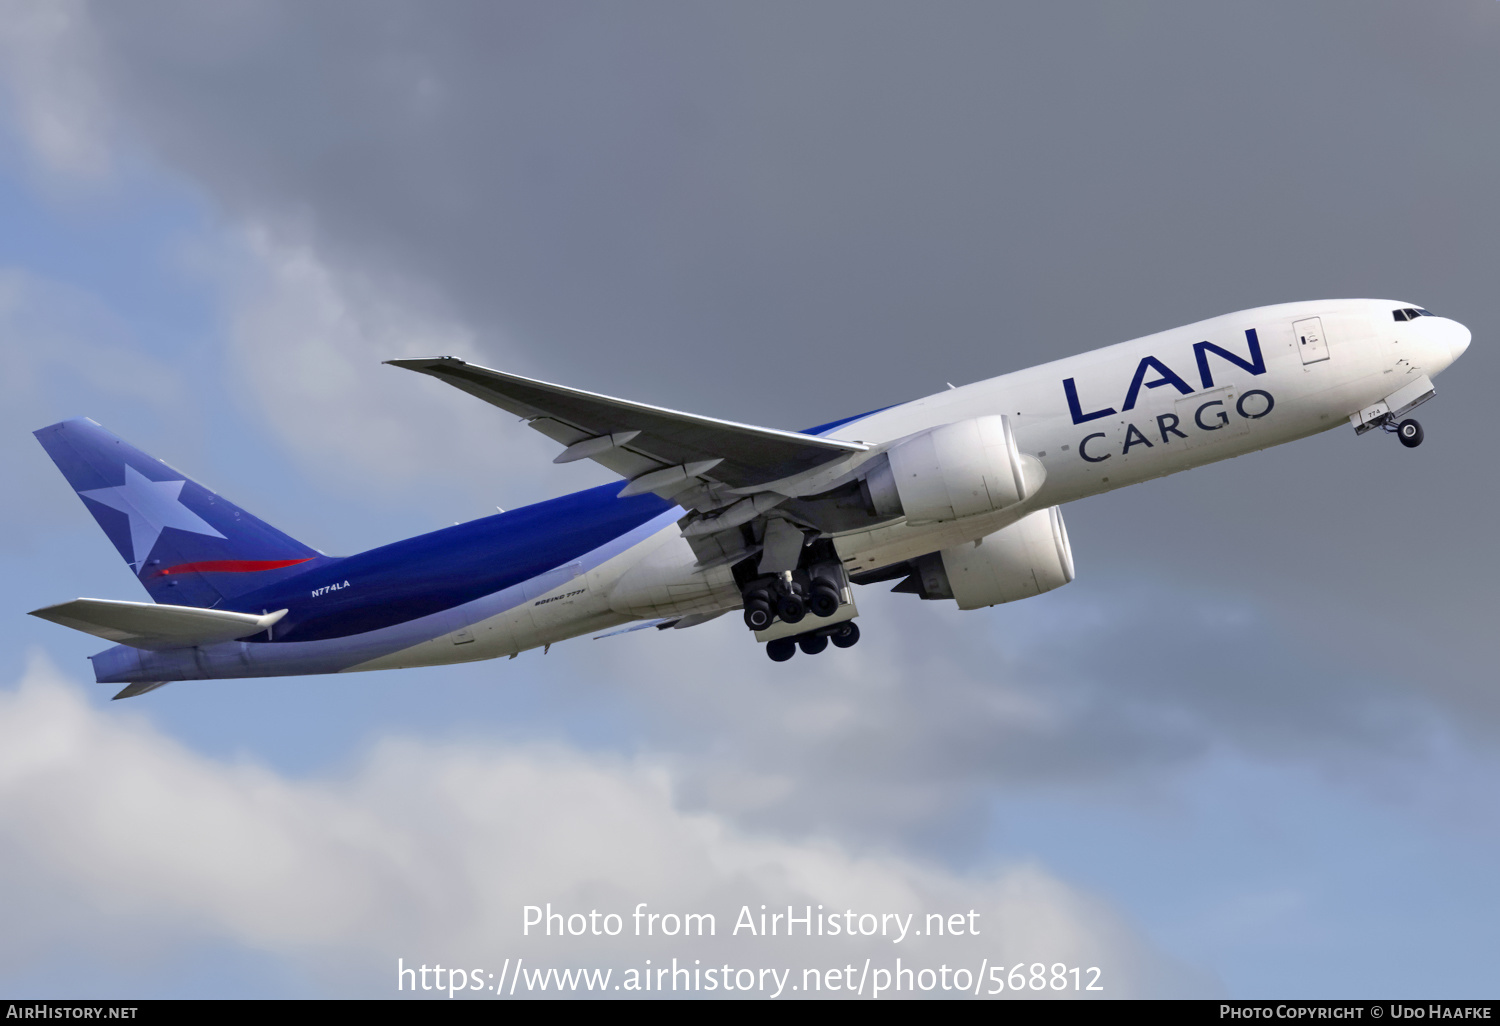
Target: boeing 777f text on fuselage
956 496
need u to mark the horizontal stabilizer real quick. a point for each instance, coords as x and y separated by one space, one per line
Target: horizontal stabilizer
140 687
152 626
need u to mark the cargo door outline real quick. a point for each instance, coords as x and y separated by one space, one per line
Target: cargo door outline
1312 344
1215 408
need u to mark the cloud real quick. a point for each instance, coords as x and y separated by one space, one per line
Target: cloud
48 61
907 738
115 838
58 344
307 341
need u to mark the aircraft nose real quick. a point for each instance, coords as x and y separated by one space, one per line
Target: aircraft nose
1457 336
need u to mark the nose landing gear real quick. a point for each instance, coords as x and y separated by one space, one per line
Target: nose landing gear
1387 414
1407 431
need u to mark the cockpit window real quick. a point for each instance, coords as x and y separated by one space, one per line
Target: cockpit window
1400 315
1426 313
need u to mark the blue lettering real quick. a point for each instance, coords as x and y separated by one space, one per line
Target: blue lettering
1255 365
1270 404
1084 452
1079 417
1223 416
1133 436
1167 378
1169 429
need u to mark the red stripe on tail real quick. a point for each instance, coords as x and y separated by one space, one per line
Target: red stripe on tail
230 566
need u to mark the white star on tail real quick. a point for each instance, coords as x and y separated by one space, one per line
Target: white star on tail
151 506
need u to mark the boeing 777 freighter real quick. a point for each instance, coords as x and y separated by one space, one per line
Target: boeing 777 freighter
957 496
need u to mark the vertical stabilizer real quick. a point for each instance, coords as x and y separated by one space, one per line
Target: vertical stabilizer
187 546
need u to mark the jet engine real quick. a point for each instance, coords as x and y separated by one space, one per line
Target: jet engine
1025 559
957 470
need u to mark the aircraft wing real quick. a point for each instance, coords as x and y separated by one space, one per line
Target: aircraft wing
655 449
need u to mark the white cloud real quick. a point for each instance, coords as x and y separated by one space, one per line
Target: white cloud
308 339
65 354
46 325
116 838
47 58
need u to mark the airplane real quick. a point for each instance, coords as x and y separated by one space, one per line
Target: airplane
955 496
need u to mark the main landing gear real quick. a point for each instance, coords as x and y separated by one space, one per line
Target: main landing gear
843 635
787 597
817 589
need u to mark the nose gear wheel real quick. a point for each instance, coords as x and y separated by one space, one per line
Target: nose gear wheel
1410 433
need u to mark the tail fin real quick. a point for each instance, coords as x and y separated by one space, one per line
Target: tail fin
187 546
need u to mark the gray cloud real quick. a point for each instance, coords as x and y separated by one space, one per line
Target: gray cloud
965 189
126 848
905 739
50 333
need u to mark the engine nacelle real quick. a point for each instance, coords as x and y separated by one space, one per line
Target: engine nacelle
957 470
1027 558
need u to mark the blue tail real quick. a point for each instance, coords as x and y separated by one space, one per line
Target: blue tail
187 546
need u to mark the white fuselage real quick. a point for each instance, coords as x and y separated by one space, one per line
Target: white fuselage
1098 421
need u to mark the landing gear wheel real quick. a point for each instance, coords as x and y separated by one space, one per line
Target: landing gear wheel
758 613
1410 433
791 608
812 644
823 601
847 637
781 649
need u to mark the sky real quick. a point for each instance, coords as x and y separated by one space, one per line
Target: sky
1250 752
